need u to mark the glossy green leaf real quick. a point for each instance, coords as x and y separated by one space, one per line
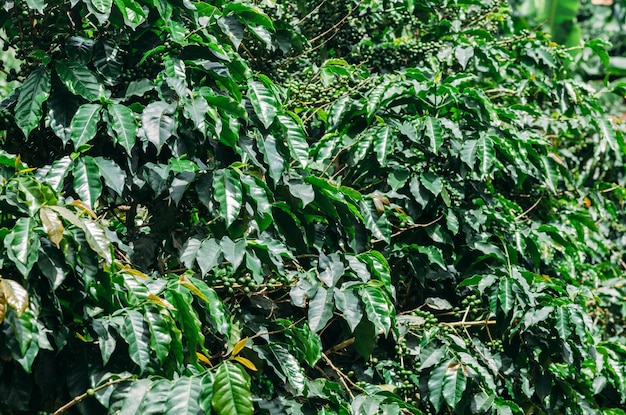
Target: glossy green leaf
264 102
128 398
434 132
228 194
132 11
214 303
22 245
196 110
87 183
124 126
295 137
382 143
436 384
84 125
175 74
320 309
137 335
113 176
272 157
562 322
158 123
289 366
160 337
234 251
506 296
551 175
454 383
377 307
97 240
231 391
209 255
80 81
184 396
347 302
34 92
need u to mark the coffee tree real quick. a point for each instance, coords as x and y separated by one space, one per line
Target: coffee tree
294 207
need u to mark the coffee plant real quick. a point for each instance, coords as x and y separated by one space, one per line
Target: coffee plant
306 208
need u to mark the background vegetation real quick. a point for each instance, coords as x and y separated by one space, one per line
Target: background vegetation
401 206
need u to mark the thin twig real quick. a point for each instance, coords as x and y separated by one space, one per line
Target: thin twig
414 226
89 393
342 377
527 211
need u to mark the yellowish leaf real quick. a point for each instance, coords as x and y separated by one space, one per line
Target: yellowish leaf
161 301
28 170
204 359
135 273
3 306
16 295
185 282
239 346
68 215
52 225
85 207
247 363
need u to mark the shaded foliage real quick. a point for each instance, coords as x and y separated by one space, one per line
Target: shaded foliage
344 208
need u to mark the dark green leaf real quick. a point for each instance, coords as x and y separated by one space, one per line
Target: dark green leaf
34 92
80 81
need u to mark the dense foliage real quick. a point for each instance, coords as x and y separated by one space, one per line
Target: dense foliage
305 207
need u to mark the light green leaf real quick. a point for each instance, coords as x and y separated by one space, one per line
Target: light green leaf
80 81
124 126
87 180
295 137
320 309
34 92
264 102
434 132
469 152
231 391
377 307
84 125
137 335
228 193
106 340
454 383
158 123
